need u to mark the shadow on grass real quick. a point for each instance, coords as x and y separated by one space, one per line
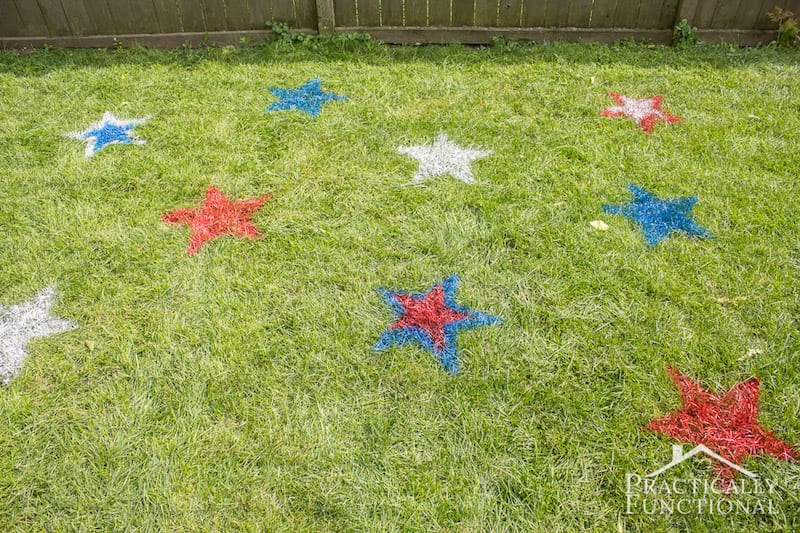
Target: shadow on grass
40 62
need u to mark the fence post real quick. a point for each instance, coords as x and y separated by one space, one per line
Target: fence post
686 9
326 21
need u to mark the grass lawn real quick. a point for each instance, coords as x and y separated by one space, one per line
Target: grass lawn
237 389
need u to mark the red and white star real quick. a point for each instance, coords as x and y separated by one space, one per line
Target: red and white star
645 111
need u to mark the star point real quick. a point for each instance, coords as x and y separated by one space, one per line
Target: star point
109 130
658 218
217 216
443 157
431 319
726 423
23 322
644 111
308 98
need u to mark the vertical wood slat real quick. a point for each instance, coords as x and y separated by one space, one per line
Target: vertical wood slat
626 15
725 14
32 18
10 21
748 13
704 13
191 12
603 13
463 12
305 12
283 11
557 14
391 12
214 15
510 14
763 22
54 17
579 14
78 18
669 12
416 13
486 12
102 22
325 16
439 13
344 12
649 15
533 13
237 14
368 13
260 13
167 16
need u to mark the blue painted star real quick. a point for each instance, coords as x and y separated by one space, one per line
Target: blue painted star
308 98
658 218
110 130
431 319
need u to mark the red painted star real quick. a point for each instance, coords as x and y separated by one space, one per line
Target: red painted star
430 314
217 216
726 423
645 112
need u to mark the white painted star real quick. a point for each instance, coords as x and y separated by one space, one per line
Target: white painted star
109 130
443 157
21 323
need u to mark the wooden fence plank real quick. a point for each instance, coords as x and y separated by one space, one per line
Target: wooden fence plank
325 18
763 21
626 14
603 13
649 15
368 13
344 12
486 12
510 14
78 18
439 13
54 16
391 12
748 13
416 13
580 12
102 23
533 13
463 12
10 21
557 14
191 12
214 15
260 13
32 18
237 14
704 13
170 21
686 10
725 14
669 11
283 11
305 12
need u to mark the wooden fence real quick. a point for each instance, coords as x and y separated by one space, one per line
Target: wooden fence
175 22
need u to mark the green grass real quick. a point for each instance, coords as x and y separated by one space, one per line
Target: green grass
237 389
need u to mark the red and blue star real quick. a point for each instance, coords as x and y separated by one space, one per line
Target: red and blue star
431 319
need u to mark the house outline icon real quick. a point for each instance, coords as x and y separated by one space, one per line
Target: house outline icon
678 457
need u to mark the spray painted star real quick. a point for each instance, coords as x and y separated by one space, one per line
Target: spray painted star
658 218
217 216
21 323
726 423
443 157
431 319
308 98
645 112
110 130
